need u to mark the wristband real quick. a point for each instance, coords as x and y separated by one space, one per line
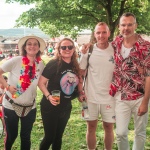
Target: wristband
47 96
7 87
81 92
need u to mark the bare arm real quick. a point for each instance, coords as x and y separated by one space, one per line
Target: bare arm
10 88
42 84
80 86
144 105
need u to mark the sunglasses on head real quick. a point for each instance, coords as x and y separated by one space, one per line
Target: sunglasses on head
65 47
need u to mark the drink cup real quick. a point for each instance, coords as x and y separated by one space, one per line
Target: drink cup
56 95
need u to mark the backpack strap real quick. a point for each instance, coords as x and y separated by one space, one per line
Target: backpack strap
86 72
89 54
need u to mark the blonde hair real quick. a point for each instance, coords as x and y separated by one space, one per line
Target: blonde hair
102 24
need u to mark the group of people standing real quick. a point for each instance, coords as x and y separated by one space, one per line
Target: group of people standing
118 84
25 73
117 87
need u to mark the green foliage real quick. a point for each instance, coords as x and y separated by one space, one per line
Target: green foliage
67 17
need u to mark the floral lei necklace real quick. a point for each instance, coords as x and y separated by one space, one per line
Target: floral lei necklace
27 75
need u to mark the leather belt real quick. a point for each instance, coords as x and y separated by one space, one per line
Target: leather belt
8 98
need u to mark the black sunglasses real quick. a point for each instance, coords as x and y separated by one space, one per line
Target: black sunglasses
65 47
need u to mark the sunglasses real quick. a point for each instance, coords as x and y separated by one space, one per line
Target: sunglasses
65 47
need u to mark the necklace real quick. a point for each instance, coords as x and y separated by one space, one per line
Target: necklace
27 75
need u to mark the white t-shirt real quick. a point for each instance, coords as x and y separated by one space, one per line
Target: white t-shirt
13 66
125 51
100 72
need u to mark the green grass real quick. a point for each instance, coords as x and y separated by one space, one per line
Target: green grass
74 135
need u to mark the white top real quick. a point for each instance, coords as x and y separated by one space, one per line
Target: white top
13 66
100 72
125 51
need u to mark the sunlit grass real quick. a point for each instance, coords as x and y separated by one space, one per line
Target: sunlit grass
74 135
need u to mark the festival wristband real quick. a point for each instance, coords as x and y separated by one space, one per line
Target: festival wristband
7 87
47 96
81 92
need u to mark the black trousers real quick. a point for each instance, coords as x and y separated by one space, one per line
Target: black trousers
11 125
54 122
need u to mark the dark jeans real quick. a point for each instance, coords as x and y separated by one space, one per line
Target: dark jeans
54 122
11 123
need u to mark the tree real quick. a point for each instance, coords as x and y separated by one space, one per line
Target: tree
68 17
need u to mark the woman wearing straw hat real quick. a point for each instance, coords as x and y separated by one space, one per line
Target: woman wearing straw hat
19 100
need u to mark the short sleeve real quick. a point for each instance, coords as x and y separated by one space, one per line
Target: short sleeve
9 64
50 69
83 61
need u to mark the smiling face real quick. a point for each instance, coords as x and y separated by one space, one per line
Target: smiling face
66 49
127 26
32 47
102 33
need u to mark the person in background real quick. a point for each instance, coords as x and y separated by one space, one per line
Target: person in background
16 50
54 50
2 56
100 72
9 56
77 49
2 91
19 103
130 87
50 49
55 75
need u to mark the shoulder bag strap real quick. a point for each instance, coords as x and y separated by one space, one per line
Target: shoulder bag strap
86 71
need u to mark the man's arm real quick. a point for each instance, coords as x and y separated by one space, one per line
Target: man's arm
85 48
144 105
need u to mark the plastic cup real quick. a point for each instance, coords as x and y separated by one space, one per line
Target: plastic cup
56 95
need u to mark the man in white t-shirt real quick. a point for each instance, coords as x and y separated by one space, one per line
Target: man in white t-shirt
100 72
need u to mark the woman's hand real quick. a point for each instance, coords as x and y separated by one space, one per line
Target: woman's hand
52 100
12 89
82 96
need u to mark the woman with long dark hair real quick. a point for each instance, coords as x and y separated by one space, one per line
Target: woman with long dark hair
57 74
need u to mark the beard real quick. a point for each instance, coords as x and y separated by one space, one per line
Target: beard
127 35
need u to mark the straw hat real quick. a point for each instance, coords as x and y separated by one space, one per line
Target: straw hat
23 40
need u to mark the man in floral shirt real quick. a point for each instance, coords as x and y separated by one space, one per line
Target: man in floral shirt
131 86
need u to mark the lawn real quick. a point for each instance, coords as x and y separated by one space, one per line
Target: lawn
74 135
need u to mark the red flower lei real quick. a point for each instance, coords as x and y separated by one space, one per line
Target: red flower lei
25 79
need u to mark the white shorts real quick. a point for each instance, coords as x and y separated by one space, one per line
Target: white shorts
107 112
